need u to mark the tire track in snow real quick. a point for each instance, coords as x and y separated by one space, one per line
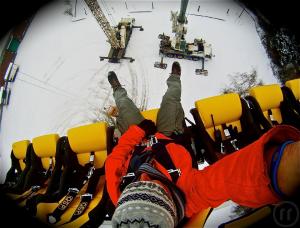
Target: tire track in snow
58 64
145 88
134 85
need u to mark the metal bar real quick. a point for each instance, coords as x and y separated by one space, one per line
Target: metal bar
199 15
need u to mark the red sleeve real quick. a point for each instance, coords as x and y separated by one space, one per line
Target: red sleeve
242 176
115 165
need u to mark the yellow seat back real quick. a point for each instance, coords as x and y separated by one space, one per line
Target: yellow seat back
226 108
199 219
45 147
150 114
294 85
268 98
19 150
89 138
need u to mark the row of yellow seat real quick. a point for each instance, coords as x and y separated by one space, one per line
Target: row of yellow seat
211 114
228 122
83 140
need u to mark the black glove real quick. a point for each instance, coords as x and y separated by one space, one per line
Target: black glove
148 126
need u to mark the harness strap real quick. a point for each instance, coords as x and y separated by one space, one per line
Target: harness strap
86 198
157 152
270 114
48 173
54 217
28 194
163 157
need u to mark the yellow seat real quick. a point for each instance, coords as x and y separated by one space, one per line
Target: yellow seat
44 148
269 98
18 156
199 219
294 86
228 117
83 140
225 108
150 114
19 150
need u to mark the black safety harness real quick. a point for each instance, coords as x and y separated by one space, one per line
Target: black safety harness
272 119
142 154
141 162
32 191
231 138
54 217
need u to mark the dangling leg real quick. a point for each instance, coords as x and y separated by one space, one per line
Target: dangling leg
129 114
171 115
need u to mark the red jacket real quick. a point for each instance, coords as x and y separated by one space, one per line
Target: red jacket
241 176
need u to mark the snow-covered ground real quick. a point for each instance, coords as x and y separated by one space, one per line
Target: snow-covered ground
61 82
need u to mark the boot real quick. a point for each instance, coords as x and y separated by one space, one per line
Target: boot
113 80
176 69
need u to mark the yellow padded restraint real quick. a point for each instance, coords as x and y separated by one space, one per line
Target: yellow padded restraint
267 96
150 114
294 85
88 138
19 149
225 108
45 145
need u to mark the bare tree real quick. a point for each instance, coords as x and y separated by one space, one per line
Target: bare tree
241 82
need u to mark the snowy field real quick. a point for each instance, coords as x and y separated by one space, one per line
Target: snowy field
61 82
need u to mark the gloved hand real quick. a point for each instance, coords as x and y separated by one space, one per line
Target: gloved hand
148 126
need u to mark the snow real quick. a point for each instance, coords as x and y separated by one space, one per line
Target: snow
61 82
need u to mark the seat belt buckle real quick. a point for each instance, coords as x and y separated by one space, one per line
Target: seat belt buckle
35 188
87 196
92 157
153 140
128 175
73 190
90 172
233 143
222 148
227 133
174 170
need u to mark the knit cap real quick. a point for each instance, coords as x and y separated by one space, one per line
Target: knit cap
145 204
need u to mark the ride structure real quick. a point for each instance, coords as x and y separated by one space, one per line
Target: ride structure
178 47
118 36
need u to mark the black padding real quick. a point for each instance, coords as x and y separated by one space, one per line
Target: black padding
290 108
203 142
289 97
67 173
104 210
258 115
211 149
13 174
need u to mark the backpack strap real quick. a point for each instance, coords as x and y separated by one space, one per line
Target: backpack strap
158 152
163 157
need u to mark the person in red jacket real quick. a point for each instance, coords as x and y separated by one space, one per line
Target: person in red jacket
148 194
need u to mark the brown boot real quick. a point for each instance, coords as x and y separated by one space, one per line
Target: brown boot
176 69
113 80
